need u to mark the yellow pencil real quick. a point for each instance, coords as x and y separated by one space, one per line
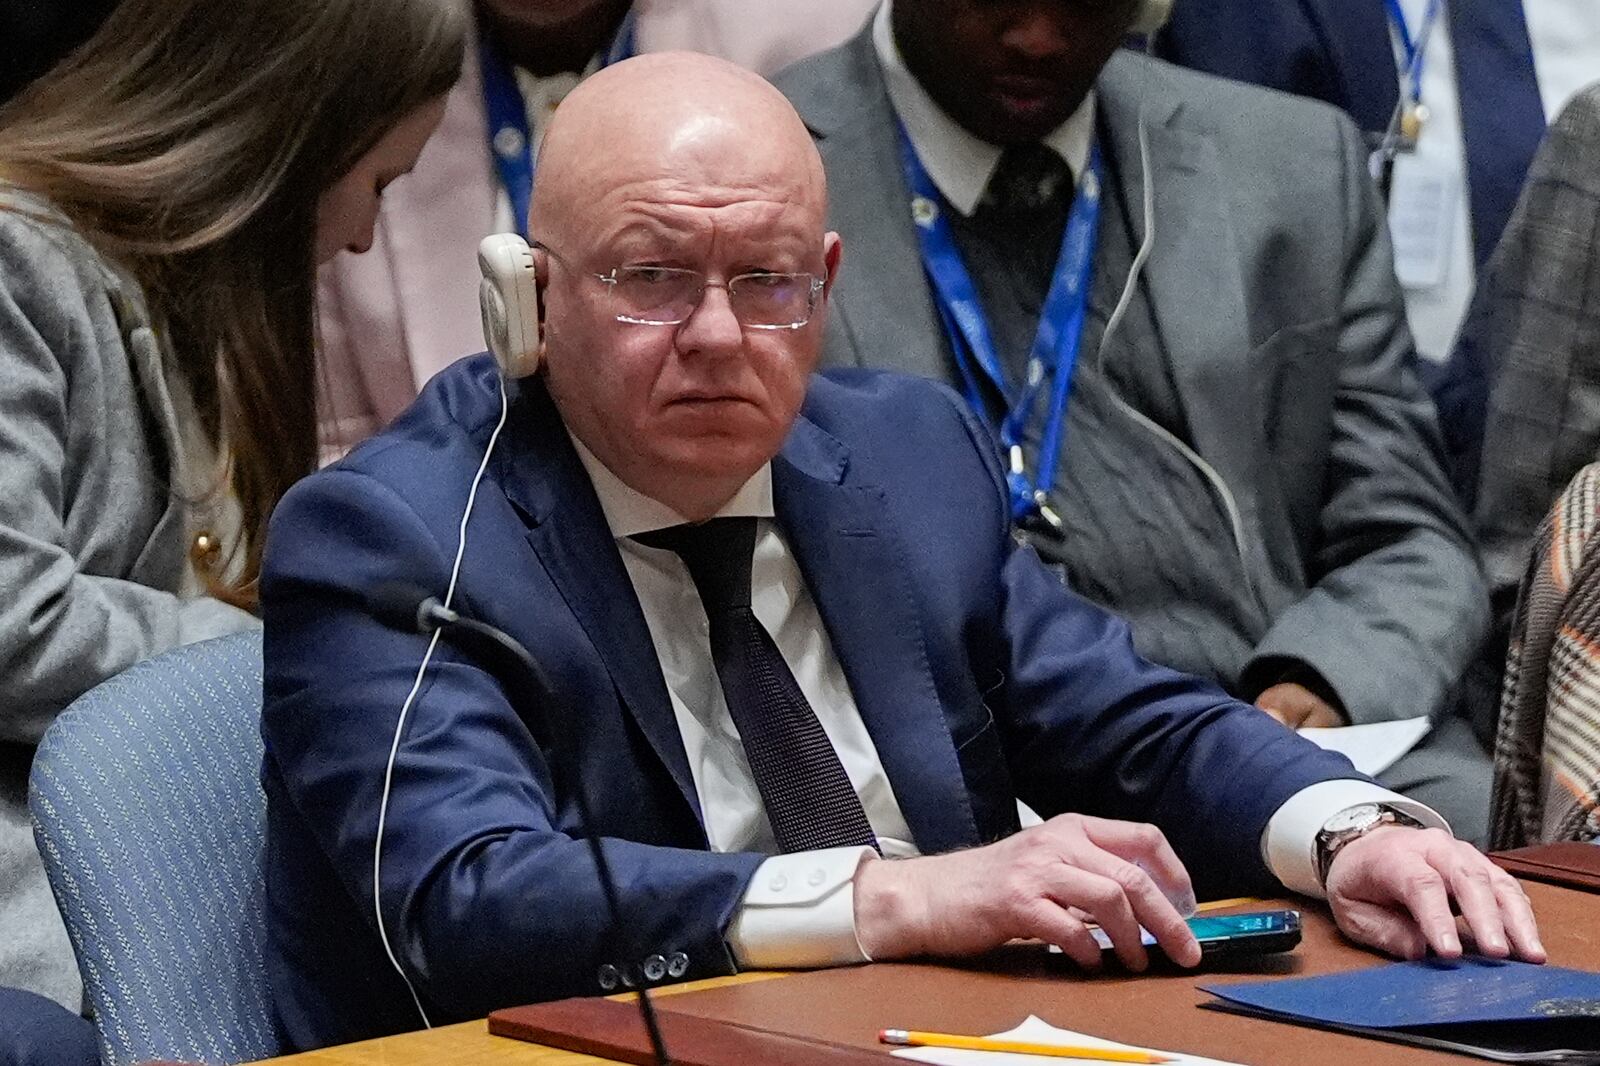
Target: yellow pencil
911 1038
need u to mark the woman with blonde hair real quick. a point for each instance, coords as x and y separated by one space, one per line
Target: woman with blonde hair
166 195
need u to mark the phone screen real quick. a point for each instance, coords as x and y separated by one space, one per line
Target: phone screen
1225 926
1212 928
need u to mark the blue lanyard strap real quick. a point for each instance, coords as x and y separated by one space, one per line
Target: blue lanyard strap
1413 47
1054 355
510 138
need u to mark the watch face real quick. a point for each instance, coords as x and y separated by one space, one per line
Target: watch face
1357 817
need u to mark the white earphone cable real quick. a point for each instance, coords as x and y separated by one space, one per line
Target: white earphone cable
405 711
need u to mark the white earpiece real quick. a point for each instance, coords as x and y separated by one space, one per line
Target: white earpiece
508 297
1153 15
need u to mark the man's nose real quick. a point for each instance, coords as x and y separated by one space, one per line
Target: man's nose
712 326
1036 32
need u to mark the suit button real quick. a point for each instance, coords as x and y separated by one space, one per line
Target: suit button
655 968
609 977
677 965
778 883
817 877
628 979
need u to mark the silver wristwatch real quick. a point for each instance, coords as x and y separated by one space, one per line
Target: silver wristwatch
1351 824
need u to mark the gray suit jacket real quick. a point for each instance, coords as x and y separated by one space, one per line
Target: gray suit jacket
1535 321
1521 394
1272 281
93 545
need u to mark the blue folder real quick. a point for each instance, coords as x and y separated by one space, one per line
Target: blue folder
1504 1011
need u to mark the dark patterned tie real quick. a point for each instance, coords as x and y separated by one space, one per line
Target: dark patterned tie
809 799
1025 208
1028 179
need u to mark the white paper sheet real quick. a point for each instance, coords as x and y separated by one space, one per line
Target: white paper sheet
1037 1031
1373 747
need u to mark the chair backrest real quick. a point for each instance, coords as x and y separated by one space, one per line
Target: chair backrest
148 809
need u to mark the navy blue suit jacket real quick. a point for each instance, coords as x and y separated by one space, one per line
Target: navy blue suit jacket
1337 51
979 677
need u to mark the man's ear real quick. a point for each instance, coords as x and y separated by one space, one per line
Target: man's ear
832 257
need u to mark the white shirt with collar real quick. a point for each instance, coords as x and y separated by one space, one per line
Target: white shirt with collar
799 909
961 163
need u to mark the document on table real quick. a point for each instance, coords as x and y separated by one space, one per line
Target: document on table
1375 746
1037 1031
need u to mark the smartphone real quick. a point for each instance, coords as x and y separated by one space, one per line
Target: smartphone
1232 935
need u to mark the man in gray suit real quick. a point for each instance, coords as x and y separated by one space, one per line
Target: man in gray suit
1243 463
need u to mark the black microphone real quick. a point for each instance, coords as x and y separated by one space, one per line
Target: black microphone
414 609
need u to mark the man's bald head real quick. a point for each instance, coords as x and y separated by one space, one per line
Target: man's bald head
678 119
685 267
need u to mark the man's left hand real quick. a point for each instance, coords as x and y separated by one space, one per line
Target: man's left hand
1392 890
1298 707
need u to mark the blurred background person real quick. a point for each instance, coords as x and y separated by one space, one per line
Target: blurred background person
1465 86
1226 444
1519 401
1547 748
391 320
165 196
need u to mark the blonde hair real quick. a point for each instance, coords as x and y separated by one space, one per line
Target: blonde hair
190 141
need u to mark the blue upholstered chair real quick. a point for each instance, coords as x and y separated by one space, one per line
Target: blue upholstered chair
148 809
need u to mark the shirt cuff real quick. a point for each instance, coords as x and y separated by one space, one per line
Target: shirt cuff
1289 845
799 912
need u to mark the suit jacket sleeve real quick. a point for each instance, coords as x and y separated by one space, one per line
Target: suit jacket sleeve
1093 728
1087 725
486 900
1397 603
64 629
1531 350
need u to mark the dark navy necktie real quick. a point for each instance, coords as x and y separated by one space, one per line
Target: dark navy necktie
809 800
1502 117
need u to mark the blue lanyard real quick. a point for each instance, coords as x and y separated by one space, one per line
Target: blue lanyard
1054 355
510 139
1412 47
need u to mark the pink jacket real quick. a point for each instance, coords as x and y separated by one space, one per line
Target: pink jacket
392 318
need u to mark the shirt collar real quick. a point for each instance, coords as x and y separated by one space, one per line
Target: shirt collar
959 163
629 511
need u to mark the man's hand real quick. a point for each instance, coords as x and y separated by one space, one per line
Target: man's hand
1040 883
1392 890
1298 707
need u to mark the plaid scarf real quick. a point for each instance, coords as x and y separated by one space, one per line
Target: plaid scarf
1547 748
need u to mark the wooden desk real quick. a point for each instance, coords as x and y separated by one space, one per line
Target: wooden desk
1158 1010
469 1043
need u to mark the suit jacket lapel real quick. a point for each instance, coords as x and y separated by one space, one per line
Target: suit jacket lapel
850 558
567 530
882 309
1192 275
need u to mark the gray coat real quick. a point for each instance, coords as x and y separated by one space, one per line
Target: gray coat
93 545
1272 282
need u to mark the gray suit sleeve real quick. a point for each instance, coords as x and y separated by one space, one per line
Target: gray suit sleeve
1397 604
63 630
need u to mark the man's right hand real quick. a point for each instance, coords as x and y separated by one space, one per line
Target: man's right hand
1042 883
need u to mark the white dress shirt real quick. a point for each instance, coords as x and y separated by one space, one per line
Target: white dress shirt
799 909
1565 35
